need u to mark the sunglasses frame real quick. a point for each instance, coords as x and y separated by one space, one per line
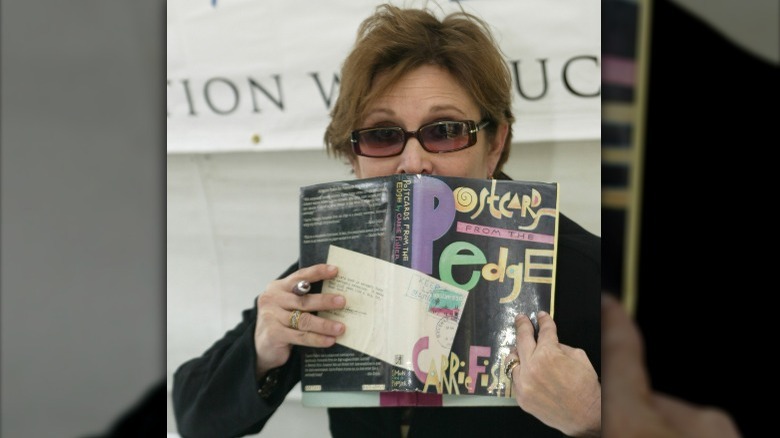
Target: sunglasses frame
473 126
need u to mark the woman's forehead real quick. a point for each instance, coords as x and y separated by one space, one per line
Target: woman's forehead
428 88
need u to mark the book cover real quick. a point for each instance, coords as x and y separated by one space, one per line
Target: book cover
493 239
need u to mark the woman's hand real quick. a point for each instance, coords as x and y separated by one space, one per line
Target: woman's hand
274 337
631 407
554 382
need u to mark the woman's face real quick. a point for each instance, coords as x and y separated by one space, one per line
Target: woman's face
429 94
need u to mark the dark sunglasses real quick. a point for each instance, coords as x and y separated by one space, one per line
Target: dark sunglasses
436 137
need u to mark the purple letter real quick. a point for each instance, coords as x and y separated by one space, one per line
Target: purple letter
432 215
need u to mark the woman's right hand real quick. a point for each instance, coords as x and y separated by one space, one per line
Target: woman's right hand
274 337
631 407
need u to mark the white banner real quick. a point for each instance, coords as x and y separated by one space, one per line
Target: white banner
262 74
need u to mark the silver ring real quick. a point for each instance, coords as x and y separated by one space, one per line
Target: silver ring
302 288
510 366
295 317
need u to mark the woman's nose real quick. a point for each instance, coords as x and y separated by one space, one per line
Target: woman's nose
415 159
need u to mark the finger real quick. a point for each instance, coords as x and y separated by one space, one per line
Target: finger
308 322
275 309
548 330
311 302
695 420
621 345
309 339
311 274
525 342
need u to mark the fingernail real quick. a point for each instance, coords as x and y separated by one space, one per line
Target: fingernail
339 300
331 268
542 313
339 328
519 317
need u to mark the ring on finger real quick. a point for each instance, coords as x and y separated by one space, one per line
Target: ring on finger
295 318
301 288
510 366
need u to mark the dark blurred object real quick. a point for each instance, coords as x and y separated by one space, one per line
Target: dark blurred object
146 418
712 120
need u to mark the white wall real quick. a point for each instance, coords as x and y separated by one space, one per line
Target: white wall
233 227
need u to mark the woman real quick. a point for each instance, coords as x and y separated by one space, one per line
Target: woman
409 69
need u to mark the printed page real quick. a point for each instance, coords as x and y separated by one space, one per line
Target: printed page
396 314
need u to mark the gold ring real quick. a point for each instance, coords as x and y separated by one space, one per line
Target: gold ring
295 316
511 366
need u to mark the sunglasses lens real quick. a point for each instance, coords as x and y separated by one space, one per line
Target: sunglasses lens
445 136
380 142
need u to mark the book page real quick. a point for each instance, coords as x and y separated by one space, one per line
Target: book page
393 313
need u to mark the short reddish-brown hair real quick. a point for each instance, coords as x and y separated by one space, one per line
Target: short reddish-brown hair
395 41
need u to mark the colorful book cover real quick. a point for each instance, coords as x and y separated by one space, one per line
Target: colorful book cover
494 239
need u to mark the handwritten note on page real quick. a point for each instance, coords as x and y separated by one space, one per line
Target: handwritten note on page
391 308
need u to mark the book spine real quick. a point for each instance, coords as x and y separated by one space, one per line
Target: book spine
402 381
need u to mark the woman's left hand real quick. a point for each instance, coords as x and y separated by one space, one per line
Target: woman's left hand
555 382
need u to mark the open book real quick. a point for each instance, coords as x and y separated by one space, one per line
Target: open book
434 270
